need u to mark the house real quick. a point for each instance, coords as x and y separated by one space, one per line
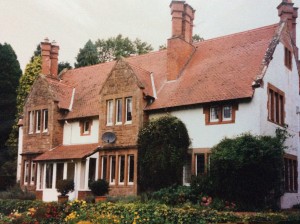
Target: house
83 123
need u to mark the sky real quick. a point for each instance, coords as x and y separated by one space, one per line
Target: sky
71 23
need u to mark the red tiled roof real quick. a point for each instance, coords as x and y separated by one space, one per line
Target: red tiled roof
221 69
64 152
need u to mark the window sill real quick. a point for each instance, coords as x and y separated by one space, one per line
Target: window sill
220 122
119 123
281 125
128 122
109 124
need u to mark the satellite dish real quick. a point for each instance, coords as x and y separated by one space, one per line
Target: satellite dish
109 137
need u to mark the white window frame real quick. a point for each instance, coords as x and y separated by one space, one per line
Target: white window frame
121 167
109 113
45 121
112 182
32 173
103 168
128 168
38 122
31 122
223 113
128 104
26 172
119 109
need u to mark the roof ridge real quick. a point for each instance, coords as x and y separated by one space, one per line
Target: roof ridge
89 66
238 33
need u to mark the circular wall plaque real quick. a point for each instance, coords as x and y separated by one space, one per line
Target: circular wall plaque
109 137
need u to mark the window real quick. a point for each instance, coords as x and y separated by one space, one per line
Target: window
288 58
59 171
275 105
121 170
119 111
70 171
26 172
32 173
290 174
45 120
128 110
103 167
85 127
38 121
49 175
130 169
109 118
112 175
220 114
201 161
92 169
30 122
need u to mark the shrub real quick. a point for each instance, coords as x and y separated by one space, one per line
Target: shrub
248 170
16 192
64 187
162 147
99 187
202 185
174 195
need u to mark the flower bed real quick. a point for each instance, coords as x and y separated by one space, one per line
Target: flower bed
133 213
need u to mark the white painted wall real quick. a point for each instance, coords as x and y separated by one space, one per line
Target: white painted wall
288 82
20 147
72 133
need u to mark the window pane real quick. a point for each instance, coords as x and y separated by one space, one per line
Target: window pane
121 169
214 114
26 172
200 164
104 167
128 109
130 168
227 113
30 121
45 120
70 171
119 111
109 116
33 165
49 175
112 169
38 121
92 169
59 171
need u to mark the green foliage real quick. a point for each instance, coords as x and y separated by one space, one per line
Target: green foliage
99 187
197 38
248 170
32 71
15 192
64 187
162 147
16 211
88 55
62 65
202 185
174 195
116 47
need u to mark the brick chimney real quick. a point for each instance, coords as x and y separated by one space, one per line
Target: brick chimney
45 51
288 13
54 59
179 47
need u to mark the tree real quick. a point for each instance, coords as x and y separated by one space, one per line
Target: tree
62 65
116 47
162 148
88 55
248 169
32 71
10 73
197 38
37 52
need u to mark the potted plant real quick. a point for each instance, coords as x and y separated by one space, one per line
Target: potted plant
99 189
64 187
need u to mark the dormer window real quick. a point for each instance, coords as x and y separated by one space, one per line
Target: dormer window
30 122
38 121
109 115
288 58
45 120
119 111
